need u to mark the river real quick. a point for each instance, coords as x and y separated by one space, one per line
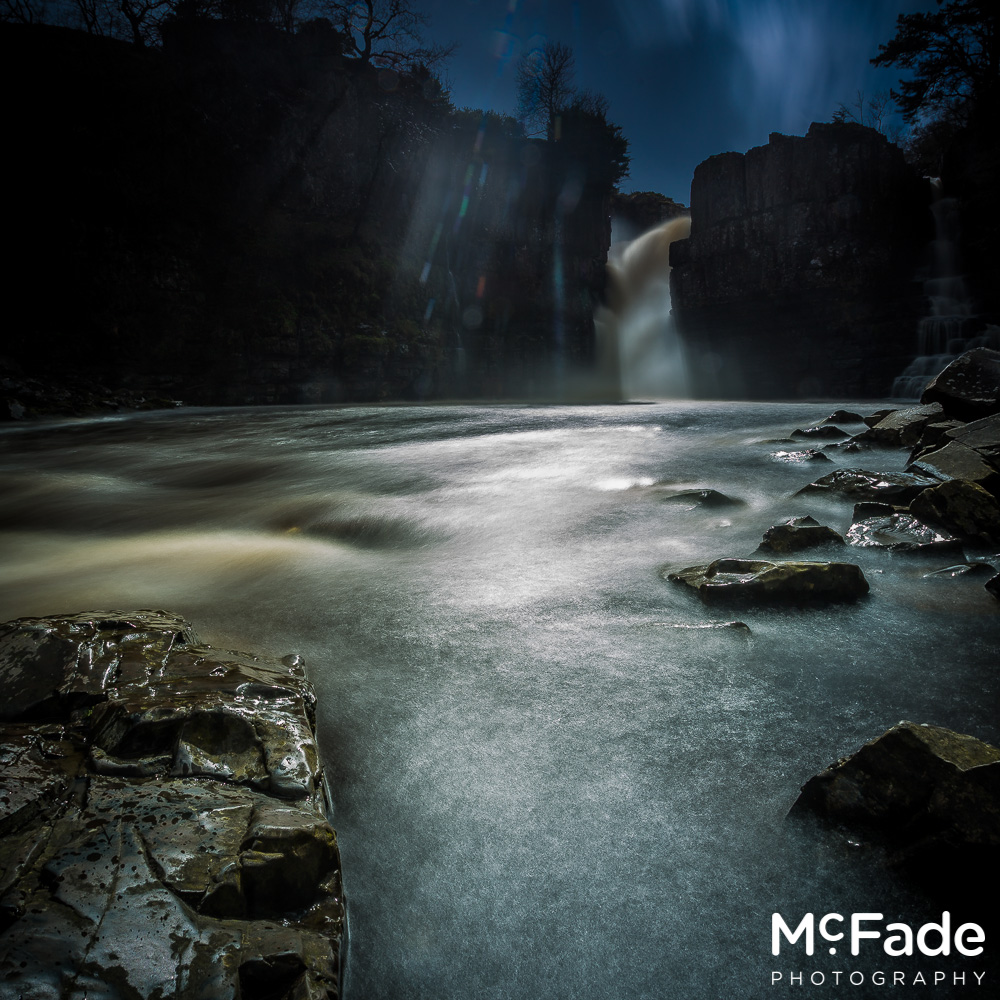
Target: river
550 780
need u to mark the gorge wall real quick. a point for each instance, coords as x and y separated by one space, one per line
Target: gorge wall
247 216
799 278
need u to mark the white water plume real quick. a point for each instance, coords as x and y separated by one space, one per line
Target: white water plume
639 352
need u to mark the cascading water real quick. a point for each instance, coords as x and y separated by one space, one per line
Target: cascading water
640 354
948 331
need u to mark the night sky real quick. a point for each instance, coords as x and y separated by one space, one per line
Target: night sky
685 78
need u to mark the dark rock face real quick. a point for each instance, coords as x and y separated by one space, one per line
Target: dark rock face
163 817
797 279
930 794
903 427
758 581
969 388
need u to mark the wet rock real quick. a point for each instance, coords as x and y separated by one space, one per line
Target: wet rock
933 436
903 427
843 417
956 461
820 431
759 581
797 534
901 532
961 507
168 825
930 794
969 388
703 498
799 457
993 586
982 436
876 416
858 484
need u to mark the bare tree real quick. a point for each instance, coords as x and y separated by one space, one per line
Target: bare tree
873 111
23 11
544 87
382 32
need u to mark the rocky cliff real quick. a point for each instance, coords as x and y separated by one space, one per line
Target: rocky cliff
799 275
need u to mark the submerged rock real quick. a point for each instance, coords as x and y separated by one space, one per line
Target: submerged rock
703 498
930 794
969 388
758 581
968 570
901 532
797 457
797 534
164 820
859 484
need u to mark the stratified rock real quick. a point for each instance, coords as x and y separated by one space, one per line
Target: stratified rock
163 822
964 508
703 498
930 794
757 581
901 532
969 388
821 232
797 534
933 436
956 461
858 484
820 432
903 427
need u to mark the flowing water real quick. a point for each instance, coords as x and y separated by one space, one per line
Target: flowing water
552 779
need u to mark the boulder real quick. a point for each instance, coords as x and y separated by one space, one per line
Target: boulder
901 532
843 417
933 436
758 581
962 507
858 484
969 388
931 795
797 534
903 427
703 498
993 586
877 416
982 436
956 461
164 819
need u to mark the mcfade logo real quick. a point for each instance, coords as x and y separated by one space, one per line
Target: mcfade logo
931 939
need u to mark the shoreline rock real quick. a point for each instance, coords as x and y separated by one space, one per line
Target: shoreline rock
165 819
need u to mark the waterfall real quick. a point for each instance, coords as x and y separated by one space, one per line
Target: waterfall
948 331
640 353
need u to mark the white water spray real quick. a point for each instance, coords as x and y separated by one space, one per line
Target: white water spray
639 352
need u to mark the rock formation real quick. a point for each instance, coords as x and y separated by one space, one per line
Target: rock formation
163 824
798 277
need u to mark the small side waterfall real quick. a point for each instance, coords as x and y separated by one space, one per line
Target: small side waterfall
951 327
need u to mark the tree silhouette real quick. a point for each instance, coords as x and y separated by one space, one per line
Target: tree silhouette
544 88
954 56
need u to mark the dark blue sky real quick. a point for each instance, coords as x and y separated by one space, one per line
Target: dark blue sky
685 78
